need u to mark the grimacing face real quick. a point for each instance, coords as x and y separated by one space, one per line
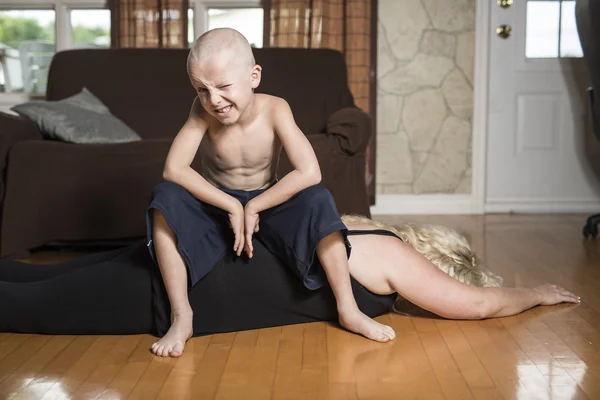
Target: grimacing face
224 86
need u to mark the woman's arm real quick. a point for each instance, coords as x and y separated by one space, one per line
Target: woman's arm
419 281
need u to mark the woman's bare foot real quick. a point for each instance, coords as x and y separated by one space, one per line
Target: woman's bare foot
173 342
358 322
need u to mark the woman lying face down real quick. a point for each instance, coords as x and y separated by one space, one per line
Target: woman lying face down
120 291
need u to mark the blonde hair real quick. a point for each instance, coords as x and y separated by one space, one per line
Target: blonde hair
444 247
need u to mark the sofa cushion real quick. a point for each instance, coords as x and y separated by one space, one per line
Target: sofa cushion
81 118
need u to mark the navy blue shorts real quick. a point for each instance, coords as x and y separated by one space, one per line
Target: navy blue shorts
291 231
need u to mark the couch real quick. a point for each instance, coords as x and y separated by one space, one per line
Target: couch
59 193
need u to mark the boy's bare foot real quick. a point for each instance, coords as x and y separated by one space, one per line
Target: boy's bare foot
173 342
358 322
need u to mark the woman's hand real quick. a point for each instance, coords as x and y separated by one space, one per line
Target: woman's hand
554 294
236 222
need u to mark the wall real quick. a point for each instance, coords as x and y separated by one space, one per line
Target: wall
425 96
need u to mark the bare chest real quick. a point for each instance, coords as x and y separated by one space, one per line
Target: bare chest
227 149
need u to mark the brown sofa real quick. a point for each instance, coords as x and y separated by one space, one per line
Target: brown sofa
53 192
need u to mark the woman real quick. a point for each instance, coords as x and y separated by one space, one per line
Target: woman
120 291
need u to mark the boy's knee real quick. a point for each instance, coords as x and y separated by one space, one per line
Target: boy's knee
318 196
167 189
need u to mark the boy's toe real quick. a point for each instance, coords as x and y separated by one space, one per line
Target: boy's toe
391 333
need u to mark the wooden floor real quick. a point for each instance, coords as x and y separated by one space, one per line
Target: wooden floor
544 353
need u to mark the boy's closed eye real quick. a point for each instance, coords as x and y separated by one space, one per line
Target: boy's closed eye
205 90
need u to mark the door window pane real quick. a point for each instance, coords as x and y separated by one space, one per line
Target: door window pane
248 21
543 19
551 30
570 46
27 45
91 28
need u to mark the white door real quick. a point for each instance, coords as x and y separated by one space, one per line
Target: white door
537 111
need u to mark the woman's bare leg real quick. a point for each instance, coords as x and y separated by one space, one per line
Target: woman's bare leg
174 275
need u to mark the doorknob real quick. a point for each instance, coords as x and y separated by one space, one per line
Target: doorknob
505 3
504 31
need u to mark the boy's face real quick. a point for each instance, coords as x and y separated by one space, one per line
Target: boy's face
225 86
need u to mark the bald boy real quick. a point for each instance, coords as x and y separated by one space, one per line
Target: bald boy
193 219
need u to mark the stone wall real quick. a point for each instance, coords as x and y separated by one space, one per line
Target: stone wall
425 96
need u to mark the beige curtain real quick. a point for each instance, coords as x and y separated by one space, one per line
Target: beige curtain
149 23
345 25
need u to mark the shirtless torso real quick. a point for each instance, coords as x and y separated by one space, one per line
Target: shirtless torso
242 156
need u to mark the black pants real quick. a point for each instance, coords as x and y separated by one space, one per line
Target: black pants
121 292
104 293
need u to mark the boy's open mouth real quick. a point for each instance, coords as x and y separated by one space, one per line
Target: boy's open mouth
224 110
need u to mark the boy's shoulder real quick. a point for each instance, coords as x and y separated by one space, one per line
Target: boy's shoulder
269 99
270 103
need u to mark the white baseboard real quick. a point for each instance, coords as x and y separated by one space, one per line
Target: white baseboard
394 204
446 204
535 206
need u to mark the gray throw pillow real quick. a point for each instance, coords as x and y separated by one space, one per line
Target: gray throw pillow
81 118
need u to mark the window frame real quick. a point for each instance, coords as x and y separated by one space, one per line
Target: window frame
64 29
201 8
63 33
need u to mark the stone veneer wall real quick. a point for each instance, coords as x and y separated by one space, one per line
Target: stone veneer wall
425 96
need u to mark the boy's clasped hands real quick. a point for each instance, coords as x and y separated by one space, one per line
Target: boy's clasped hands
244 222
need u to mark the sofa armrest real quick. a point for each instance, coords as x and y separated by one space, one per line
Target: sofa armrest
15 128
342 174
82 192
352 128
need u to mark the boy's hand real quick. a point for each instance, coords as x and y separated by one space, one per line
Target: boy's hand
251 220
236 222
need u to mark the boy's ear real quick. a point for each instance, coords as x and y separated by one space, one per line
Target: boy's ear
255 76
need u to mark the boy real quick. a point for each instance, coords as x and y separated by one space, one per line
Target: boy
239 136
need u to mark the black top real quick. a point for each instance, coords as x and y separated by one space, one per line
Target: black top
381 232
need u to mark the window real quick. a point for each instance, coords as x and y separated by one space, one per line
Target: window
551 30
27 44
191 30
90 28
249 21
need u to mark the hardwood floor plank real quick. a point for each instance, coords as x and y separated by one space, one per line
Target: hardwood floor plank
210 369
179 381
79 372
95 384
447 372
472 370
56 369
11 343
27 372
21 354
132 371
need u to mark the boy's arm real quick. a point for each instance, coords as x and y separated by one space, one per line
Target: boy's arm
306 170
179 159
178 170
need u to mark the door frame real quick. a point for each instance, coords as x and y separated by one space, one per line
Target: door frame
480 103
474 202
